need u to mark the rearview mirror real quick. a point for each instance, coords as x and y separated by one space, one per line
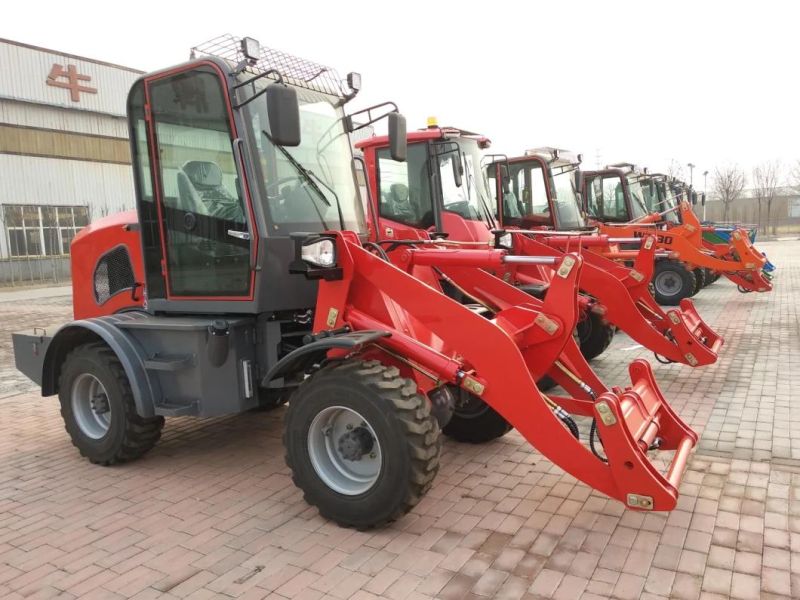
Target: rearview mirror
456 158
703 199
398 146
283 112
579 180
694 197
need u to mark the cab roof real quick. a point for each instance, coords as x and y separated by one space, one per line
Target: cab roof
429 133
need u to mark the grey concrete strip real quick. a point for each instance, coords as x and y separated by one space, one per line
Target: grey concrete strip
34 293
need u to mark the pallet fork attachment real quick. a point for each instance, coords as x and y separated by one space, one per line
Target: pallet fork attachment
439 341
624 298
739 261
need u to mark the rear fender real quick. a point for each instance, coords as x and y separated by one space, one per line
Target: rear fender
70 336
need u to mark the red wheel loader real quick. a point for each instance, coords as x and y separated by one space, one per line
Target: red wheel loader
614 200
242 280
431 194
409 202
665 195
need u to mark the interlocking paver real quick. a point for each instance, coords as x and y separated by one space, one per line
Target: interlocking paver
211 511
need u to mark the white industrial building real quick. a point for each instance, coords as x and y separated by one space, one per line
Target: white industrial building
64 155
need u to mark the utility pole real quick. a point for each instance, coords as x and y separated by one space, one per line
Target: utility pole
691 170
705 193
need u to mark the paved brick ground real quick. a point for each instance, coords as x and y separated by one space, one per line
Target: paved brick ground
212 513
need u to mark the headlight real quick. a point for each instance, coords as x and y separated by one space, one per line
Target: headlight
319 253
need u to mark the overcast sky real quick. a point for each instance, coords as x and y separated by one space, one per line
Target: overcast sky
645 82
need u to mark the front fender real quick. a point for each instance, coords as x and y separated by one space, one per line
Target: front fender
145 390
307 355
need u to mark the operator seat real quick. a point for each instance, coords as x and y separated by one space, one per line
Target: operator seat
400 201
511 207
205 193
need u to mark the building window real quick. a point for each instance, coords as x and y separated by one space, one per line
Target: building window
42 230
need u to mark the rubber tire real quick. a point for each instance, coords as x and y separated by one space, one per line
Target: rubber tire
687 281
709 277
408 433
129 436
699 280
479 427
594 335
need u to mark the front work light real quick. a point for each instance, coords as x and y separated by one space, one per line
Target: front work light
251 49
354 81
319 253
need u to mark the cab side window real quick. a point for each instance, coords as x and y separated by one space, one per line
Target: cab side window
404 187
606 198
525 195
614 199
204 222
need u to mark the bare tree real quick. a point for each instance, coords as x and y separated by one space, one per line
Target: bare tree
793 176
675 169
728 186
766 177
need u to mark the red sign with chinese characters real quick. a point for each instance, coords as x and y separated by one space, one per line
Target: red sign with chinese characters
70 79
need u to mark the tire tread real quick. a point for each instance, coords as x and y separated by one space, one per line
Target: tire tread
411 409
141 433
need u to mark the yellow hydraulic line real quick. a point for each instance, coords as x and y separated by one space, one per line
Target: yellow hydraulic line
575 378
650 310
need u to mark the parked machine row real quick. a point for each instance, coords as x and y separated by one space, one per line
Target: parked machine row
464 297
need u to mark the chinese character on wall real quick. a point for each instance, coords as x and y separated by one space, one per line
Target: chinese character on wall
70 79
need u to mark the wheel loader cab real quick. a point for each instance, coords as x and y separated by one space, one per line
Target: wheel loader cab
218 197
537 190
440 187
610 195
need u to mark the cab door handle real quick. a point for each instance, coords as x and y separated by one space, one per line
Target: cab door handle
242 235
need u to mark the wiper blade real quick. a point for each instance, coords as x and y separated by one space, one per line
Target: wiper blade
300 169
335 197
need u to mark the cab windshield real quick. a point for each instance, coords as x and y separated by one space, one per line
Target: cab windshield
668 201
310 187
470 200
638 205
651 197
565 198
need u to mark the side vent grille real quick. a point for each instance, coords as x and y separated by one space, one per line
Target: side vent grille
113 274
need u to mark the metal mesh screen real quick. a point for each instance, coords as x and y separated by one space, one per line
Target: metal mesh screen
113 274
297 71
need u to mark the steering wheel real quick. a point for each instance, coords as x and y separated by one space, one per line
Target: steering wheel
272 188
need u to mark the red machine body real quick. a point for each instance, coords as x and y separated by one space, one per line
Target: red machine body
94 293
438 335
614 291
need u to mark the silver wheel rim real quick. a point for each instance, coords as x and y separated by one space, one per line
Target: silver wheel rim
331 447
90 406
668 283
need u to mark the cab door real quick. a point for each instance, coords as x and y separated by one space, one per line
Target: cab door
207 231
